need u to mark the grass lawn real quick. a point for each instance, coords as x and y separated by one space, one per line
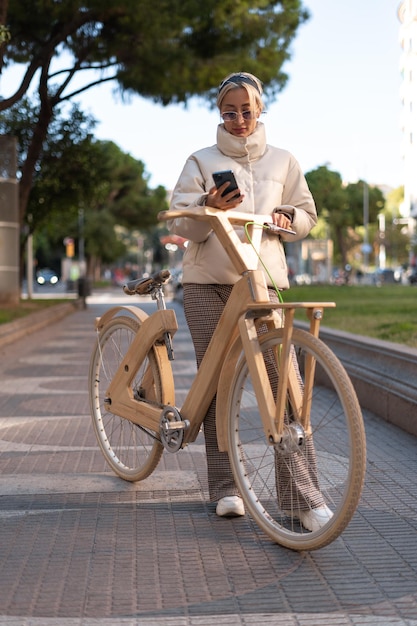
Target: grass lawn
388 312
26 307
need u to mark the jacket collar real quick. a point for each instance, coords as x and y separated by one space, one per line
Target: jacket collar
242 148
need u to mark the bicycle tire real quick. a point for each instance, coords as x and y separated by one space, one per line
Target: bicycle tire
265 476
131 451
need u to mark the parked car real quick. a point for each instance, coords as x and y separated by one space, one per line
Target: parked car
388 275
46 277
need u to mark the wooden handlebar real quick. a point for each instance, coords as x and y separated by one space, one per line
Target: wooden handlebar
209 213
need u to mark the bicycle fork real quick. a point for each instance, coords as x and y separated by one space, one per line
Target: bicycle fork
288 435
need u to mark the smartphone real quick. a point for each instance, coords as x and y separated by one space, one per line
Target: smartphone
278 229
226 176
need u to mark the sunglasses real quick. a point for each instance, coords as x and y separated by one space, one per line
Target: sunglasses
232 116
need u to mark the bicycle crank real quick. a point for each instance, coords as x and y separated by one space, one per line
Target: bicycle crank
293 440
172 429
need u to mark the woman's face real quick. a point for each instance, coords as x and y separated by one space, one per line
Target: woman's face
237 101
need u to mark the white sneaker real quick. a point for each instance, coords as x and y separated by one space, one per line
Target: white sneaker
230 506
314 519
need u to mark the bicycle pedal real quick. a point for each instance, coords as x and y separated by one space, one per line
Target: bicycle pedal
172 429
178 425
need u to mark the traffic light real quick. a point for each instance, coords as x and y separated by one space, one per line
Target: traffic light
69 247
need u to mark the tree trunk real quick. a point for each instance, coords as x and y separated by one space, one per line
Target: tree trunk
28 169
33 155
341 243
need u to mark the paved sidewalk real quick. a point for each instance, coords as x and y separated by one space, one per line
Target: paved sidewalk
80 547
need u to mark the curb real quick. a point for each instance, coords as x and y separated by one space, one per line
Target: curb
13 331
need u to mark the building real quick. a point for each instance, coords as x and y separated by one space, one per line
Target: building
407 14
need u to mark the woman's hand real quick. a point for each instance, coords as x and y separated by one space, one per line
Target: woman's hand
228 201
280 219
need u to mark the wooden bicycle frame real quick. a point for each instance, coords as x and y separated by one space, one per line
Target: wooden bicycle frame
248 305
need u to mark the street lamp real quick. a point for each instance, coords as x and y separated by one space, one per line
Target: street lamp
366 248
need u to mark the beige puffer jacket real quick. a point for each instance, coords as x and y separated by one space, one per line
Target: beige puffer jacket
268 177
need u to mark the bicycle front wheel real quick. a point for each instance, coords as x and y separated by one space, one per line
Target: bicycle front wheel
280 484
131 451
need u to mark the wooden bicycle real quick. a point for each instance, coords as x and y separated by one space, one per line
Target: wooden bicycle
279 389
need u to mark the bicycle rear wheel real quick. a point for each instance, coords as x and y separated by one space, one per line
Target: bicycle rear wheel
131 451
273 481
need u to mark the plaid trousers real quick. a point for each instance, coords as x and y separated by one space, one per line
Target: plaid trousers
203 306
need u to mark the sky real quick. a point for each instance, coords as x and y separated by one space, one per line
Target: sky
340 107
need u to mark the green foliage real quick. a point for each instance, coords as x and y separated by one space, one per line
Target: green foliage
100 236
327 189
168 51
331 202
4 34
394 200
74 172
342 206
355 197
61 181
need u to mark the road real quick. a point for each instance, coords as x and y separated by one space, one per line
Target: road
80 547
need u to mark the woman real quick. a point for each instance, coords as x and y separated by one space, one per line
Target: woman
270 183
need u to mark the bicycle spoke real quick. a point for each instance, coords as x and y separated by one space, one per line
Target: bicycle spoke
280 484
131 451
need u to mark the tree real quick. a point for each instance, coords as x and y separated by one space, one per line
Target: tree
330 197
122 197
343 206
79 173
366 202
355 194
61 181
168 51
